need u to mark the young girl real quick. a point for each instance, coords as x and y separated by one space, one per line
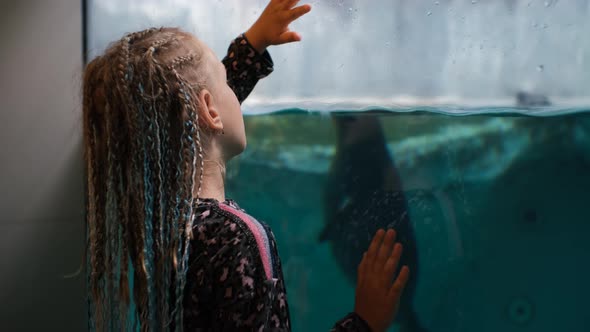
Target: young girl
166 250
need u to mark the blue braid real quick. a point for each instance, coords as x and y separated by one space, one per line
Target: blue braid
188 132
175 220
123 258
112 227
148 208
111 249
156 146
165 225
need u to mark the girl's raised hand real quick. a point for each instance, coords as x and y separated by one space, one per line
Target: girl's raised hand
272 27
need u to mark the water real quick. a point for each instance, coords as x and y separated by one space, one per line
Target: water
499 206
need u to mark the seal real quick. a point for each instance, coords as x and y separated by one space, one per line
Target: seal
362 194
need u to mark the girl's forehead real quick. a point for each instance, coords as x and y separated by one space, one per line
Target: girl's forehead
197 44
209 62
209 57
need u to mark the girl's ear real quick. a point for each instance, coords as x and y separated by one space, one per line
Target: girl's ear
209 111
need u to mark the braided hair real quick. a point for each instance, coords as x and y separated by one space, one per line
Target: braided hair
143 152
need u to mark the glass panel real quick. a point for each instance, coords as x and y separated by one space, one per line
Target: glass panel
495 201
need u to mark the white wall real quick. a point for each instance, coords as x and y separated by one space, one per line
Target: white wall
390 53
41 177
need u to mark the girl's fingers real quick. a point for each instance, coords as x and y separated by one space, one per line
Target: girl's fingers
395 292
288 4
297 12
374 247
288 37
361 269
392 262
385 250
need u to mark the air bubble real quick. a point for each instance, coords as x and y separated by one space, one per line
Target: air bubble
429 13
540 68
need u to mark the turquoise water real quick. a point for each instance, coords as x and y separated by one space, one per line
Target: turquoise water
498 205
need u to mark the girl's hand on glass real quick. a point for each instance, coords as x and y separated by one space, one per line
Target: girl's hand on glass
377 293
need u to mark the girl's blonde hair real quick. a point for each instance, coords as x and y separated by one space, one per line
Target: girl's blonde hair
143 151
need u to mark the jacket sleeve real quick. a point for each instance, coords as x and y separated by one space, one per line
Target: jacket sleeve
351 323
245 67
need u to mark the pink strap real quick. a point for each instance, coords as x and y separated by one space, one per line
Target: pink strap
259 235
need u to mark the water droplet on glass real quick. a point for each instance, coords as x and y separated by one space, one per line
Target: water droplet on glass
429 13
437 3
540 68
547 3
473 2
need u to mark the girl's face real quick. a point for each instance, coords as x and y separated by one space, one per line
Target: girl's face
221 108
